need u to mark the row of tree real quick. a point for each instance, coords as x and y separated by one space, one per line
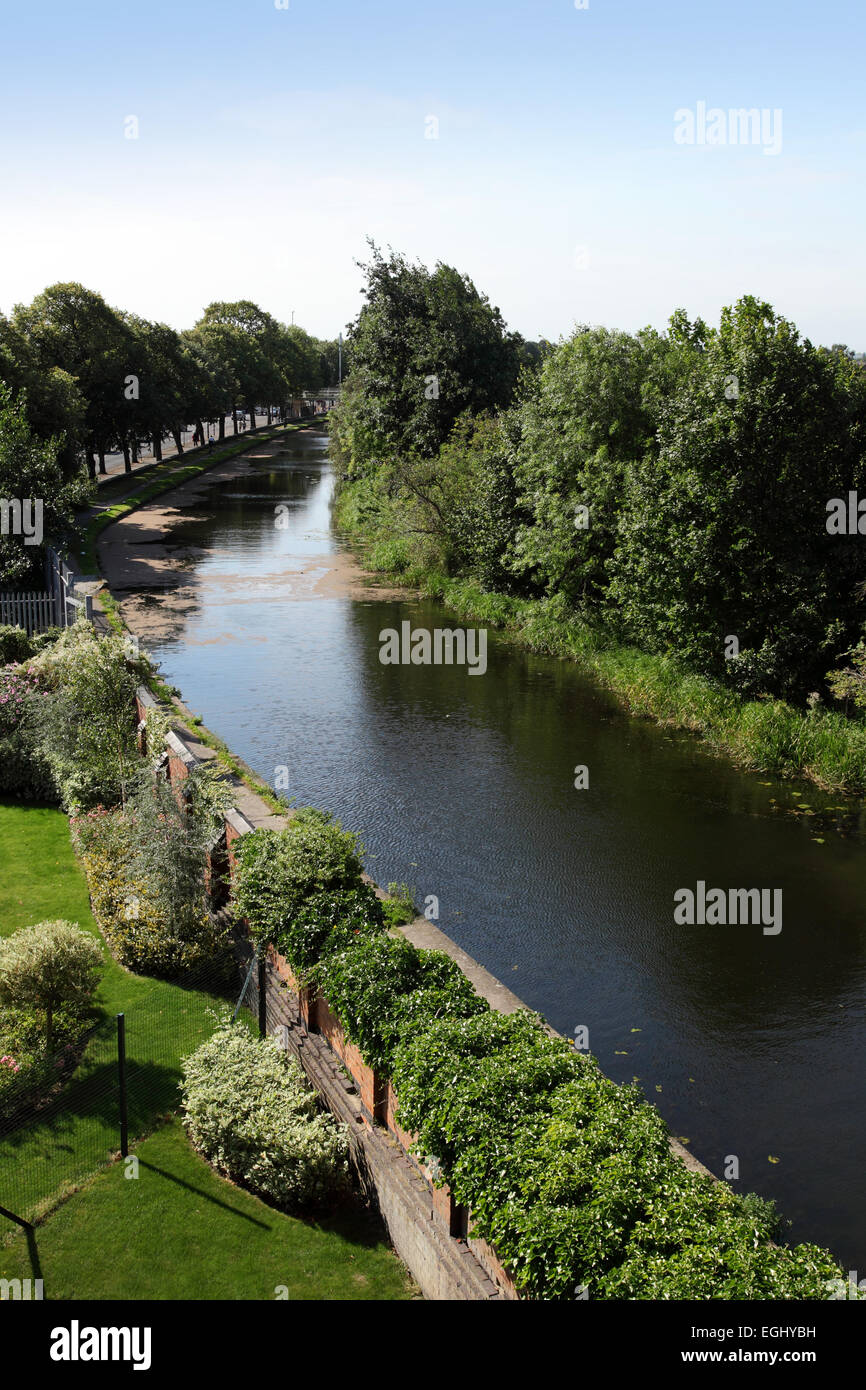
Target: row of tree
671 487
98 379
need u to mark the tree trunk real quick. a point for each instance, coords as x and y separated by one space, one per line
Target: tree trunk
134 451
251 411
101 452
157 447
222 430
178 441
200 427
91 464
235 420
127 466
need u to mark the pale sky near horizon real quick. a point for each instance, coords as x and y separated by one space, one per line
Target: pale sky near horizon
272 142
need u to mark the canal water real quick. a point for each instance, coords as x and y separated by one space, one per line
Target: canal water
752 1045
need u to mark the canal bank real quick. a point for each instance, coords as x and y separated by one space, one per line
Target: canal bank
751 1047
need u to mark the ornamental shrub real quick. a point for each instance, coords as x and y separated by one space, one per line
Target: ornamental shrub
23 772
146 931
248 1109
15 645
278 869
382 987
85 728
47 966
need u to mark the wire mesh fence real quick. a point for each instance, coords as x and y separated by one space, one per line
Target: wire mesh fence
82 1106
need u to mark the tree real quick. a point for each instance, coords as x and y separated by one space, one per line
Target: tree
425 348
723 531
592 411
47 966
31 476
70 327
247 342
52 399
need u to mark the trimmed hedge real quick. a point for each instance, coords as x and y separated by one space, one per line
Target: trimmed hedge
384 989
278 870
570 1176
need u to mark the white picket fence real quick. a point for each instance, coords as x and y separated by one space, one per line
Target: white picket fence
34 612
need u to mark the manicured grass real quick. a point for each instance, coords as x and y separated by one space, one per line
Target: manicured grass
178 1231
41 880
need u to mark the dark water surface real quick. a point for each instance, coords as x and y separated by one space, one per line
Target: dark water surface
462 786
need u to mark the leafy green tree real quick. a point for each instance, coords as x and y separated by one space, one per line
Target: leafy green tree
52 399
72 328
47 966
247 341
30 469
723 531
593 411
425 348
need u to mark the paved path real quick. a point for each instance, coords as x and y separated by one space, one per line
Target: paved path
114 462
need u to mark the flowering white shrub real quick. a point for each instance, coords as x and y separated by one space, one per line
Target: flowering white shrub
249 1110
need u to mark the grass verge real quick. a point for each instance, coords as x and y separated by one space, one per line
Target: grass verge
179 1231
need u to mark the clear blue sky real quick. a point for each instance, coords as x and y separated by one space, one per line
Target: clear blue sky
273 141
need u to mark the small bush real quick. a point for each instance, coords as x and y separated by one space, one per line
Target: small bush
47 966
15 645
23 772
399 906
278 869
248 1109
85 729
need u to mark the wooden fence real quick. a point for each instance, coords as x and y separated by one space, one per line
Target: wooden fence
34 612
57 606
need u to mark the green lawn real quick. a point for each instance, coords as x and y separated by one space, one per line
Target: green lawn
42 879
178 1231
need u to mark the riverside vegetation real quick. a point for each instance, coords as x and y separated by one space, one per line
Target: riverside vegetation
655 506
570 1176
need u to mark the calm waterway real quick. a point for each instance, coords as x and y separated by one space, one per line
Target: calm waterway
463 786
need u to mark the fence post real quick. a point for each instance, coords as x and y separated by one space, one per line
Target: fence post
263 997
121 1068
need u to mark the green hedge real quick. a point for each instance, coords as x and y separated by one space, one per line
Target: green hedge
570 1176
384 990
